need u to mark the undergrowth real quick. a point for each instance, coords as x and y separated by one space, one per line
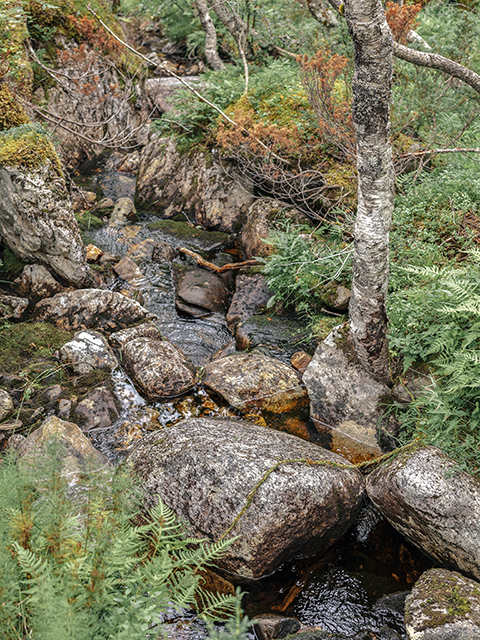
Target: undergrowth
82 563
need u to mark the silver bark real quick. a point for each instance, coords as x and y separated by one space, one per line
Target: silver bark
373 44
211 52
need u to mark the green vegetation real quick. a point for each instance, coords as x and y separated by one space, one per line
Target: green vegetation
36 341
29 146
84 564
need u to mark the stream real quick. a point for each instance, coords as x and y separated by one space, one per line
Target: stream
358 588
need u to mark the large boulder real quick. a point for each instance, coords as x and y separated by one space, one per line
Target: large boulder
174 183
159 369
200 292
433 504
347 405
207 470
88 351
36 282
91 308
37 222
443 605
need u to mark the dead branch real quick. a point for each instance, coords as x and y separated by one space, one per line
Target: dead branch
226 267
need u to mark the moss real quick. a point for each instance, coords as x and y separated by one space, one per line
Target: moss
185 232
343 341
30 149
89 222
12 266
11 113
322 326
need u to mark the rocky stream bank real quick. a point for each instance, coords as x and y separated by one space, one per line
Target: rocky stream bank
129 349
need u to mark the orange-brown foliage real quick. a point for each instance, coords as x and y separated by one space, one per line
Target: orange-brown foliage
94 35
402 19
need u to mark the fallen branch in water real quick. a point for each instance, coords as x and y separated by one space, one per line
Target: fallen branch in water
226 267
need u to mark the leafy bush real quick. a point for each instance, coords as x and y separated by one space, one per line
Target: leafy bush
81 563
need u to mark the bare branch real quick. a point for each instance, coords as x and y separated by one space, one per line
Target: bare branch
226 267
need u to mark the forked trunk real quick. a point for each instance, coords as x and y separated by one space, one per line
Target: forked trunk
373 44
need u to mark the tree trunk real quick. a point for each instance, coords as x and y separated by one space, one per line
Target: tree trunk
373 44
211 52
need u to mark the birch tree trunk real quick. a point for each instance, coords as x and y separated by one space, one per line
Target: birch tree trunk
373 44
211 51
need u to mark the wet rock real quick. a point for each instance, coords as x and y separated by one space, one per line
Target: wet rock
191 183
87 352
443 605
253 382
300 361
105 203
182 234
251 293
278 336
129 162
433 504
93 255
91 308
128 270
36 283
270 626
143 251
12 307
108 257
159 91
298 510
264 215
6 405
159 369
38 225
145 330
79 454
123 212
346 404
225 351
97 410
201 289
163 252
82 200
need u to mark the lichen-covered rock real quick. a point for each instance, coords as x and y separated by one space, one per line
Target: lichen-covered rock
12 307
270 626
6 404
79 454
433 504
37 223
36 282
159 369
264 215
443 605
97 410
251 293
173 183
87 351
123 212
145 330
254 382
91 308
199 291
205 469
343 396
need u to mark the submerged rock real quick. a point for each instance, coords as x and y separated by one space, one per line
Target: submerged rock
175 183
443 605
38 224
251 293
346 405
88 351
204 469
159 369
252 381
433 504
91 308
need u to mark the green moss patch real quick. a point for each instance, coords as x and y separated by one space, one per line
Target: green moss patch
206 240
11 113
28 146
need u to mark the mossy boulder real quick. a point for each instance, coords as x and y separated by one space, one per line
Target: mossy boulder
11 113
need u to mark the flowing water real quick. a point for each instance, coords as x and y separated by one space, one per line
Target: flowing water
347 591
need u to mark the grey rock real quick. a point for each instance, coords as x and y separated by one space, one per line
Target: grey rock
204 469
251 293
433 504
36 282
97 410
88 351
159 369
192 184
253 382
128 270
202 289
270 626
443 605
82 200
264 215
346 404
78 456
163 252
37 223
123 212
64 408
91 308
145 330
6 405
12 307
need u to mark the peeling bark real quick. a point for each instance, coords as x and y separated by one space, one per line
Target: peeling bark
373 44
211 52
